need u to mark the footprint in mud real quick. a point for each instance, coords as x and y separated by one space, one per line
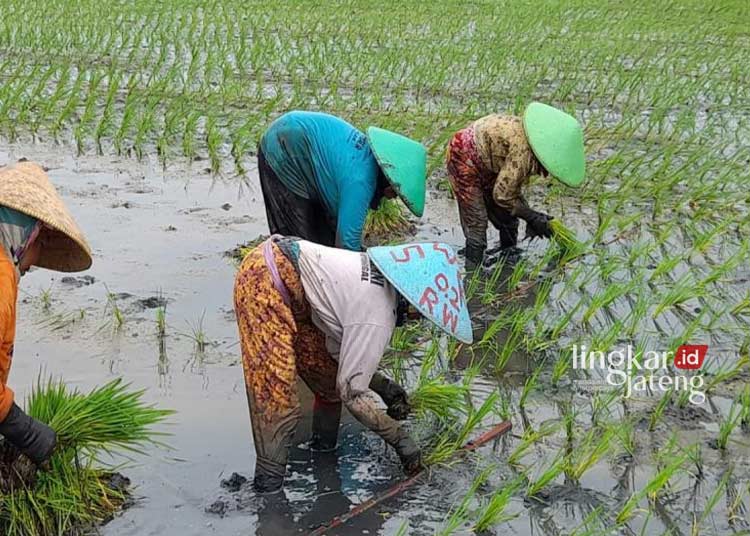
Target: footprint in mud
689 417
218 508
242 497
78 282
152 302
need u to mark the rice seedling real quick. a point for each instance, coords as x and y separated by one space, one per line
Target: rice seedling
625 432
387 223
658 411
744 403
593 525
72 495
515 278
711 503
161 321
438 398
493 512
695 455
455 438
198 335
545 476
567 240
727 425
601 404
117 317
606 298
529 386
726 372
592 447
45 299
651 489
529 439
459 514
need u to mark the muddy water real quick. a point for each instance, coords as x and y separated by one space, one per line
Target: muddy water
160 236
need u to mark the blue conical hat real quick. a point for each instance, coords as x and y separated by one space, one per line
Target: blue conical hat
428 276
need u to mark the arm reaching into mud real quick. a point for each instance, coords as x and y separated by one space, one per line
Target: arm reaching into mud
362 347
537 223
393 395
508 190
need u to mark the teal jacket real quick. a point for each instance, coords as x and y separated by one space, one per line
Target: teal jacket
322 157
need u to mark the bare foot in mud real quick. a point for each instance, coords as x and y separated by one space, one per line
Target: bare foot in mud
78 282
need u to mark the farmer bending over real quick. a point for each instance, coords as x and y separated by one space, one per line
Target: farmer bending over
328 314
35 230
320 175
490 161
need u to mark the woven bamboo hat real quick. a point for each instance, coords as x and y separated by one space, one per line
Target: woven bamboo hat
25 187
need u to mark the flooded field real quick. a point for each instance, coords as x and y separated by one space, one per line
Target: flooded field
147 115
161 240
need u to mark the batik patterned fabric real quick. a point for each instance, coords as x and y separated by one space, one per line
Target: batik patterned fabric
486 190
278 342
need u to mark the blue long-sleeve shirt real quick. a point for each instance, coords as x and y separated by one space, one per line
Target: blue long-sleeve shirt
322 157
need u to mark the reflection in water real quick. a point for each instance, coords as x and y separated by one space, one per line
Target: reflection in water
197 365
162 367
313 499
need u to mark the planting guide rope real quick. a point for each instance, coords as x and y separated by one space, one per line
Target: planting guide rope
337 521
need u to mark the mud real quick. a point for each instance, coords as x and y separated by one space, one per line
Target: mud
167 239
159 239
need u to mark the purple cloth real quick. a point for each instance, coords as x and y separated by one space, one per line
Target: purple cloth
271 264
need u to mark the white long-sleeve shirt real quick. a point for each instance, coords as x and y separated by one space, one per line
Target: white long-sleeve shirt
355 308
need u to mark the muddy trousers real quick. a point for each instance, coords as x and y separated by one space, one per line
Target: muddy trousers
473 184
279 342
288 214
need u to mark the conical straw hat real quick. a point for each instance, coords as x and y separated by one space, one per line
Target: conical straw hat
26 188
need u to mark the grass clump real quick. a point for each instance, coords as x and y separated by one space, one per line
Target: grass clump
75 493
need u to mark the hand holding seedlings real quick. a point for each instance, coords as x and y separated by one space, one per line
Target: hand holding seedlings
29 237
491 161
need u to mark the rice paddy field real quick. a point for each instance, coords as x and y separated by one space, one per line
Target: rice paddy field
148 114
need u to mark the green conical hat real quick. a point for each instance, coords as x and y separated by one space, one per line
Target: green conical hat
404 163
557 141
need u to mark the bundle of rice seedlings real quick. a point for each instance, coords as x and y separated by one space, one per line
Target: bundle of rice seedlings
386 224
74 493
443 400
238 254
566 239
